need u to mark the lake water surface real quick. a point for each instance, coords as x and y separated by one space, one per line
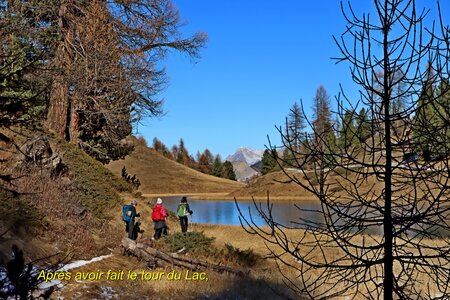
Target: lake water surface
225 212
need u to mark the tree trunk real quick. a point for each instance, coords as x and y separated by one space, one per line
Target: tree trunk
60 114
388 283
58 110
73 122
150 254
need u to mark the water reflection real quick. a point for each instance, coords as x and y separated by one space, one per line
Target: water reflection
224 212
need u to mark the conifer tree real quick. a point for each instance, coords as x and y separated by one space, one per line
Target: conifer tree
347 133
228 171
363 126
323 125
205 162
268 161
93 67
217 168
295 125
425 116
24 56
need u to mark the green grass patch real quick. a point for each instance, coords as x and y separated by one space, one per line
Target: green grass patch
246 258
96 186
199 244
193 242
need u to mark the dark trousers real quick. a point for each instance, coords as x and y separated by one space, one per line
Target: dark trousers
158 233
129 227
184 223
160 228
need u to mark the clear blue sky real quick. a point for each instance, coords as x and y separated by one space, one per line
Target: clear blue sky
261 56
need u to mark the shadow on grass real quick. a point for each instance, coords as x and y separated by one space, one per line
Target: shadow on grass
251 288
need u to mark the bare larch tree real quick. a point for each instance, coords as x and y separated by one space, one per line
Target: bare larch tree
381 228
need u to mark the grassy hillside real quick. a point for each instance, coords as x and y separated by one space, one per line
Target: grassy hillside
159 175
276 183
280 187
60 201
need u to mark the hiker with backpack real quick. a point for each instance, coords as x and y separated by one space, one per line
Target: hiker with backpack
159 216
183 211
128 215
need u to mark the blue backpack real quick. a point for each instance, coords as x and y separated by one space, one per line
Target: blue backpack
126 213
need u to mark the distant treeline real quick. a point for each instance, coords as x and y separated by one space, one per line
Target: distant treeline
204 162
349 130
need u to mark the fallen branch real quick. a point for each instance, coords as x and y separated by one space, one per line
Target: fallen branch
150 254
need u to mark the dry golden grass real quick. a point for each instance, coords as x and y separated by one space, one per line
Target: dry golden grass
162 177
260 283
238 237
159 175
274 183
49 214
218 286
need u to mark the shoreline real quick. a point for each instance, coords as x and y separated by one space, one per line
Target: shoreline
228 197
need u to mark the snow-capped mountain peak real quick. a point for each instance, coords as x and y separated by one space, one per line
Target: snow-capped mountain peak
247 155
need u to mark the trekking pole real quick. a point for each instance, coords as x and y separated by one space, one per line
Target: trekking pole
192 224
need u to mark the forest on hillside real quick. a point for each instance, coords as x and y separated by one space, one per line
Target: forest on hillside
205 162
87 70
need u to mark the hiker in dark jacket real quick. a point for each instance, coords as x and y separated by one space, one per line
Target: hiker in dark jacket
130 226
136 229
159 216
183 211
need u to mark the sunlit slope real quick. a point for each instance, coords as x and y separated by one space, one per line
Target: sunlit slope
280 186
159 175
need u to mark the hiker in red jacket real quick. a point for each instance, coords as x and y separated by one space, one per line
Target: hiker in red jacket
159 216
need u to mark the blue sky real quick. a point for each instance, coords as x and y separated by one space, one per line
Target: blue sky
261 56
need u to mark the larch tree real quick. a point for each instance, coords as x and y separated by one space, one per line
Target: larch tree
205 162
322 124
381 226
139 36
92 67
295 125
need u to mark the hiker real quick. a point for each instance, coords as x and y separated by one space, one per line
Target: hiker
159 216
183 211
136 229
128 215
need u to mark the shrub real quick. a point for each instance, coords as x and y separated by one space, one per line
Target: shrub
194 242
96 185
246 258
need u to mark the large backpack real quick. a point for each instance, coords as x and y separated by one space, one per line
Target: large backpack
156 213
126 212
181 211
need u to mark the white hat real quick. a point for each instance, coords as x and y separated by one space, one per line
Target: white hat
159 201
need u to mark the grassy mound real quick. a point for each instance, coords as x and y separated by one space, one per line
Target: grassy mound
199 244
95 185
68 211
193 242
